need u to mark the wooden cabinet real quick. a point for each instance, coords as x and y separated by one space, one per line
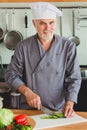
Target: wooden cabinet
43 1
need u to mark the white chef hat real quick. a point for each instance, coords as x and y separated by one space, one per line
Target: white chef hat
44 10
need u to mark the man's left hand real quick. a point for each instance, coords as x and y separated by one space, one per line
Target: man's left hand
68 109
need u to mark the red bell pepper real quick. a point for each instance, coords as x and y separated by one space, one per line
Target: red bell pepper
21 119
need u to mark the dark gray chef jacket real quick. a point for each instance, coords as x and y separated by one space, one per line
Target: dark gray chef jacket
54 74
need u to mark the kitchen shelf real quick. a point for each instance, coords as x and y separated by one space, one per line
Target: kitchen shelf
43 1
61 7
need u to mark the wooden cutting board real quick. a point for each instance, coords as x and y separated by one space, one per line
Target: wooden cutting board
49 123
32 122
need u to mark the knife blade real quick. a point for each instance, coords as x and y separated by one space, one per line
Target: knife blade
47 111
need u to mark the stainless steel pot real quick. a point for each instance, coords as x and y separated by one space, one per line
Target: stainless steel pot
74 38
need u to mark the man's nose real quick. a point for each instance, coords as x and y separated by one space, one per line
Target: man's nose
47 26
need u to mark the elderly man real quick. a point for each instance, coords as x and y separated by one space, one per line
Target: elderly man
44 67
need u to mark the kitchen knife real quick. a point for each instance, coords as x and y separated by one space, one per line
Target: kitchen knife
47 111
52 114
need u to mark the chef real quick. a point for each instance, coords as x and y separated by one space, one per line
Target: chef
44 67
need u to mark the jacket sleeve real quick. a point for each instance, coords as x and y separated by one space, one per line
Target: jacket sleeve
73 74
13 75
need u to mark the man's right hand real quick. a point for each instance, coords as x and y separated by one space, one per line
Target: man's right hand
32 98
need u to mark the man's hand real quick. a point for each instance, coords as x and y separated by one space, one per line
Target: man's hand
68 109
32 98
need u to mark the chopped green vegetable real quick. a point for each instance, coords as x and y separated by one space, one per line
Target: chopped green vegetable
60 115
55 116
22 127
28 127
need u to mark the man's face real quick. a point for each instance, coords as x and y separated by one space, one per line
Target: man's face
45 28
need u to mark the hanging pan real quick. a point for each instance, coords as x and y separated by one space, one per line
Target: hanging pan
1 34
13 37
74 38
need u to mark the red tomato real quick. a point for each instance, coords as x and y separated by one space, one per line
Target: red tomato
21 119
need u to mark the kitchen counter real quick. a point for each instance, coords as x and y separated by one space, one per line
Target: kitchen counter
77 126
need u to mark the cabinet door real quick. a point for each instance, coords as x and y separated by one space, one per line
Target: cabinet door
82 103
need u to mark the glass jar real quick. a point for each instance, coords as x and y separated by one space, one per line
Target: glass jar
15 100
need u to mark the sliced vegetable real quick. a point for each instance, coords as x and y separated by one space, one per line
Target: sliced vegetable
22 127
59 114
55 116
28 127
6 117
21 119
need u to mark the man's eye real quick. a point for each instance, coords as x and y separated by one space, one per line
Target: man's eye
42 23
51 22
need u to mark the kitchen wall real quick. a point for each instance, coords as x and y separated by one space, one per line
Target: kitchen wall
16 23
13 15
80 21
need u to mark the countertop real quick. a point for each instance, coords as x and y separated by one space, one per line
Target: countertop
77 126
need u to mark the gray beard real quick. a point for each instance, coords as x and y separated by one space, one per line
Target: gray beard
47 38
